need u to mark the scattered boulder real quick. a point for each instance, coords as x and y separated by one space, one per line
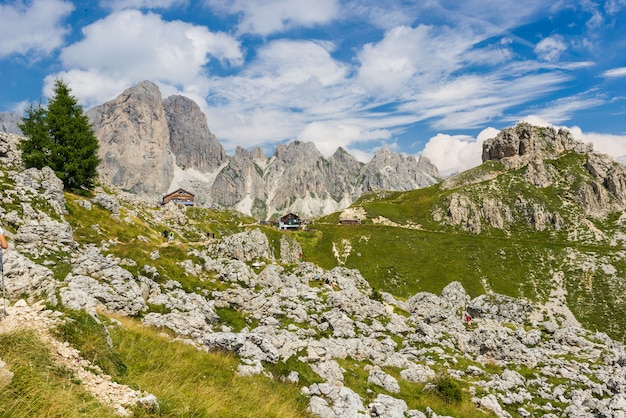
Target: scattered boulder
500 307
244 246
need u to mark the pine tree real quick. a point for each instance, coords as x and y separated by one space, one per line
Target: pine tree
37 149
60 137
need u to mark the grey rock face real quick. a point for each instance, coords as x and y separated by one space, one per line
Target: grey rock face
24 277
99 280
290 250
382 379
335 402
9 122
242 179
392 171
516 146
10 154
108 202
134 140
500 307
142 136
191 141
389 407
245 246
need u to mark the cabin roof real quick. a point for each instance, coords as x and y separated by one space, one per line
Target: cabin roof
179 191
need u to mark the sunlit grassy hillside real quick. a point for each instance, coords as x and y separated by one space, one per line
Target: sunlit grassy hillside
413 252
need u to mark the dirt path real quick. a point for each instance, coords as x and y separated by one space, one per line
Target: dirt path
36 318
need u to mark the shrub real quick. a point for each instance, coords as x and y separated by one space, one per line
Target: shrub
448 389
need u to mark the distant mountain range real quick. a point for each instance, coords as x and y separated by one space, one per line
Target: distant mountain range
150 145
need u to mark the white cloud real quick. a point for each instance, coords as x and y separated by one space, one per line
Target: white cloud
288 85
387 15
89 87
140 4
265 17
35 28
127 47
550 48
615 72
416 56
329 136
457 153
296 62
613 145
562 109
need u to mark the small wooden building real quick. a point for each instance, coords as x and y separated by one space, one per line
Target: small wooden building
181 196
289 221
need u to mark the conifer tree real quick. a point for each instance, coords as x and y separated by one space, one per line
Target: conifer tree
60 137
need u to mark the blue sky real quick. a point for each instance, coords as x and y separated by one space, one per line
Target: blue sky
420 77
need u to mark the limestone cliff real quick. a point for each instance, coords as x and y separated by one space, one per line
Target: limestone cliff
152 146
537 177
134 140
191 141
8 123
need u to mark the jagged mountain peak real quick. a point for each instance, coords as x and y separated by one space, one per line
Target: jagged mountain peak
145 89
539 179
517 145
191 141
299 150
134 140
150 145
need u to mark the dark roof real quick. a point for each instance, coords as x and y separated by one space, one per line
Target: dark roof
178 191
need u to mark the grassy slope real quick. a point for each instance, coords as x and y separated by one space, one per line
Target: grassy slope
188 382
40 388
520 261
398 260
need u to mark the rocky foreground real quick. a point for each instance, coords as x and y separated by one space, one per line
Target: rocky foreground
518 359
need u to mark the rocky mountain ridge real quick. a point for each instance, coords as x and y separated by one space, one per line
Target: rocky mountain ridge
557 175
514 359
152 146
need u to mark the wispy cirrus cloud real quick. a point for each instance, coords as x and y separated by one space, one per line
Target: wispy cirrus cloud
264 17
141 4
615 73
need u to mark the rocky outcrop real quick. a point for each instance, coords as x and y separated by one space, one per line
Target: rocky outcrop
244 246
549 171
10 154
518 145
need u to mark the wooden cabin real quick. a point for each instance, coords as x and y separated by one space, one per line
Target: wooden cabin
181 196
289 221
350 221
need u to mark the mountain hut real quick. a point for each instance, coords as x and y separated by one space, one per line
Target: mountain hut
181 196
289 221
